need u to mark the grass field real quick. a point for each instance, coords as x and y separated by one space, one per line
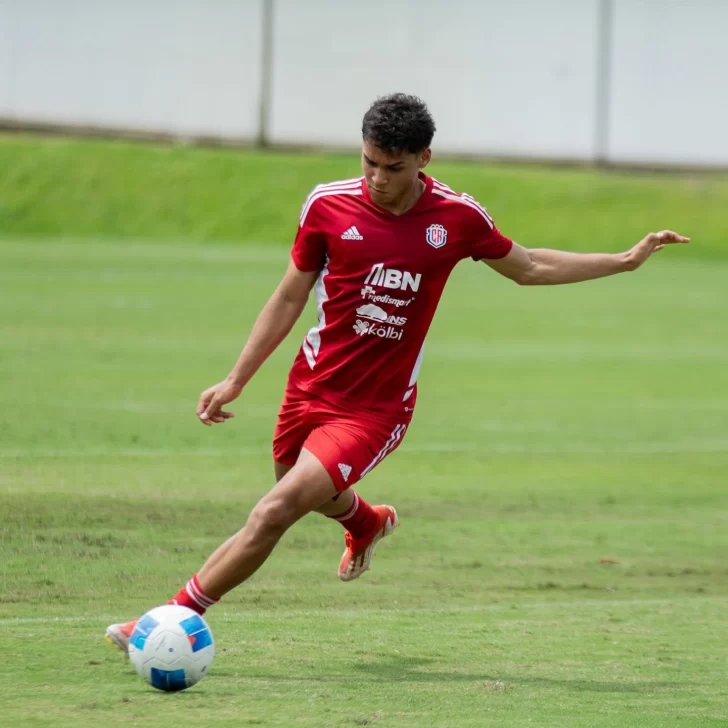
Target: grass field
562 554
52 188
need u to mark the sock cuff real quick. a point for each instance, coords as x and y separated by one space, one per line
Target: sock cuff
196 593
348 514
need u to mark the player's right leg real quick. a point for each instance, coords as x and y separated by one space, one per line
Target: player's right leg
305 487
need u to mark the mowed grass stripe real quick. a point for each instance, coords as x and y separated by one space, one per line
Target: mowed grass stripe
221 615
719 445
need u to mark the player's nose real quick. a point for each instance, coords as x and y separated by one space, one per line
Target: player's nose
379 180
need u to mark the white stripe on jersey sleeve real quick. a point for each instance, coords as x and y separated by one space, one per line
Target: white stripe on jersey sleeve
443 190
464 201
350 186
326 193
480 207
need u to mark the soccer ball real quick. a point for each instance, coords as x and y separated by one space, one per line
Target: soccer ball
171 648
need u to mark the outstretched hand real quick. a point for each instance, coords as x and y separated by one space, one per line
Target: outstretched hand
650 244
210 407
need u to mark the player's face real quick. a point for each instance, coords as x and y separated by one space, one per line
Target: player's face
391 176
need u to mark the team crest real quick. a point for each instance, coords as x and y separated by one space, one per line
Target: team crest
436 236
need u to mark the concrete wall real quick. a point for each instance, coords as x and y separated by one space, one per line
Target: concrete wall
495 81
669 91
636 81
173 66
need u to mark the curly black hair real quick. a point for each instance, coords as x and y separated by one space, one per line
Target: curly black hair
399 123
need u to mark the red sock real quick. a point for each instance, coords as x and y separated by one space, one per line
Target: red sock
192 596
360 520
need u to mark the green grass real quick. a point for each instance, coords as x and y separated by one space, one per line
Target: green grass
99 189
561 559
562 556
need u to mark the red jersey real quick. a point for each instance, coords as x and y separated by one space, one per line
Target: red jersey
381 278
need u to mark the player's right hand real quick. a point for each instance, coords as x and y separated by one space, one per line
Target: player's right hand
210 407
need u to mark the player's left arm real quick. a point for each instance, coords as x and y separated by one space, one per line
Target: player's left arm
544 267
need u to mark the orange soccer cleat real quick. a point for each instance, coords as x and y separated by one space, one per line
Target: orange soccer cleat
360 551
118 635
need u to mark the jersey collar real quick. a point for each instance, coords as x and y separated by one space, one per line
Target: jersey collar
421 203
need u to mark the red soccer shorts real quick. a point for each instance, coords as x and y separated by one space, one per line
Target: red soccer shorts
348 445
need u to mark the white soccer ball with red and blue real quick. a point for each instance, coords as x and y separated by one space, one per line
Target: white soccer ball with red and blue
171 648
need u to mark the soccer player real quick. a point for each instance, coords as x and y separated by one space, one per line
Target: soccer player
377 251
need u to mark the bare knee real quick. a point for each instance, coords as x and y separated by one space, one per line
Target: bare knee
272 517
300 489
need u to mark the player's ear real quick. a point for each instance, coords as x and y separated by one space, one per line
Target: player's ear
424 158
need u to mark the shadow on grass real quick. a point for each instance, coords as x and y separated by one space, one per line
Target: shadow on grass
416 670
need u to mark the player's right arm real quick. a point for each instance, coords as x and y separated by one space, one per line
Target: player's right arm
272 326
278 315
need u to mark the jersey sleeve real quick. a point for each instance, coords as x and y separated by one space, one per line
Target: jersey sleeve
486 240
309 247
495 245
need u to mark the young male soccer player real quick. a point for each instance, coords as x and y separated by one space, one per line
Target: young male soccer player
377 250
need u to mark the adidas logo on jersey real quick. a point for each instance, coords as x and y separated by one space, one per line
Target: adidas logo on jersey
352 234
392 278
345 471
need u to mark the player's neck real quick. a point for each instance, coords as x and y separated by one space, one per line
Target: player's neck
407 201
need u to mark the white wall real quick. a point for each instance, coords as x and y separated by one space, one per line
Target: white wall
180 66
517 78
670 82
500 78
